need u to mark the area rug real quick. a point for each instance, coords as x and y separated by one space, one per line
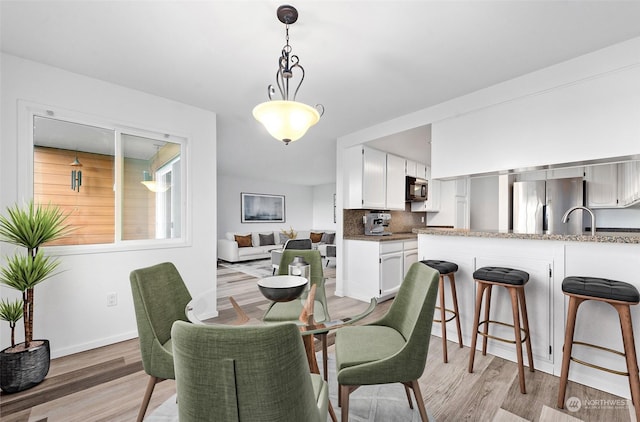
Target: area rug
372 403
259 268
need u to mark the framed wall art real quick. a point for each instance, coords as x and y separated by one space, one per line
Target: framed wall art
262 208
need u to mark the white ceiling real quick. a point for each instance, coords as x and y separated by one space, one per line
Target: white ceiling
366 61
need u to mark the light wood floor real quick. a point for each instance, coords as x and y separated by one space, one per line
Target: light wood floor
107 384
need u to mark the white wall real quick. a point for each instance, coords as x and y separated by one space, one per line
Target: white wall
323 207
298 205
70 309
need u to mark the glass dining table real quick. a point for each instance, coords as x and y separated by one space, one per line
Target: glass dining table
202 310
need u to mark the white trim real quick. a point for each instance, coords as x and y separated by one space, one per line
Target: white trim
27 110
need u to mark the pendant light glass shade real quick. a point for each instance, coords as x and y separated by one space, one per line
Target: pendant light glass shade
287 121
153 185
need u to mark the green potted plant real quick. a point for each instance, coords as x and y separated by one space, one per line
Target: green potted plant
26 364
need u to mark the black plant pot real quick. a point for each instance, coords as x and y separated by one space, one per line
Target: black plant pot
25 369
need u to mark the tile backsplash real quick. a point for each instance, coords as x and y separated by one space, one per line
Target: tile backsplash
401 221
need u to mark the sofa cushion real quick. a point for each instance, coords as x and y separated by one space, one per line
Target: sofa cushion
283 238
243 241
328 238
315 237
266 239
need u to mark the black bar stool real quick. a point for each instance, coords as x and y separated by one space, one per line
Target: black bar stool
514 281
618 294
448 269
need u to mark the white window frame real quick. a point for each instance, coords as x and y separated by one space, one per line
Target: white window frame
26 113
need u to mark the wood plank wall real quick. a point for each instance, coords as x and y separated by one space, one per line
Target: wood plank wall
91 211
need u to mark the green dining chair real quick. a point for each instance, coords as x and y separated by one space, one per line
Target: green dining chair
245 373
394 348
159 298
290 311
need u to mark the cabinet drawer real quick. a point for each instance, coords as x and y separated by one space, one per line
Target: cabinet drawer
389 247
410 244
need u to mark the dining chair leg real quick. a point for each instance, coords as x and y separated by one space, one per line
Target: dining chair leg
416 391
408 393
147 396
344 391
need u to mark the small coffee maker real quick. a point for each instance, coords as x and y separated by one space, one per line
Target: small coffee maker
375 222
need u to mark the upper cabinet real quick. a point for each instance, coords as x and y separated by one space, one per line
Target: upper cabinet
614 185
373 179
415 169
395 182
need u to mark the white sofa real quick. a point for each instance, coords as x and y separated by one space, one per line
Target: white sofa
229 251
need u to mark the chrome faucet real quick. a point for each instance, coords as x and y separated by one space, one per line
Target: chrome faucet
565 217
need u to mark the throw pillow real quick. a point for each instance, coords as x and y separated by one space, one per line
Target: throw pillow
283 238
328 238
315 237
266 239
243 241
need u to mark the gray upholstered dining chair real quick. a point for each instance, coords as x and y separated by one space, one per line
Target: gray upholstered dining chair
290 311
394 348
245 373
159 298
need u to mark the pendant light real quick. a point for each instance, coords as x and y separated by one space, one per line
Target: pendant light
287 120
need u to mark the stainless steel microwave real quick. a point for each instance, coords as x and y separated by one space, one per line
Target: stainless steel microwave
417 189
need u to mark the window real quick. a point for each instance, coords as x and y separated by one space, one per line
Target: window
117 184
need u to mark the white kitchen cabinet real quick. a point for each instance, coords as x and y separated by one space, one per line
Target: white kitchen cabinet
391 268
432 204
373 179
415 169
410 168
421 171
410 251
376 269
602 186
395 191
365 178
628 183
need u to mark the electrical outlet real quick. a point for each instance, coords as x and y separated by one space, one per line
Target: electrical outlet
112 299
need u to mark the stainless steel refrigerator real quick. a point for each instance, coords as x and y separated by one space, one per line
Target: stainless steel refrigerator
538 206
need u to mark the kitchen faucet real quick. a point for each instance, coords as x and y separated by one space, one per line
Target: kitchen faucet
565 217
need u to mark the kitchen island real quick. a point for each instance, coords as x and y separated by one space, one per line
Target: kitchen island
548 259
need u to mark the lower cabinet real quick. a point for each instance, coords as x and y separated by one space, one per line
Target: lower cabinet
376 269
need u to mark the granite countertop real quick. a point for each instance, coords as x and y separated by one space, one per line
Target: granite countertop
602 237
392 237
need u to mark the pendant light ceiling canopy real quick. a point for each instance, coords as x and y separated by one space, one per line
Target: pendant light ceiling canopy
287 120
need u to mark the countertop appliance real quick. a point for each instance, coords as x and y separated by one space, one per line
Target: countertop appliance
417 189
375 222
538 206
